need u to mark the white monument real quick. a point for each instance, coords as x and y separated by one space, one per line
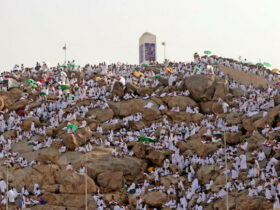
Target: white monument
147 48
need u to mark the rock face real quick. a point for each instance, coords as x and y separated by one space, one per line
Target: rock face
204 87
101 115
139 150
19 105
157 157
181 101
27 123
155 199
199 148
150 114
126 108
111 181
74 183
70 142
49 154
118 89
207 172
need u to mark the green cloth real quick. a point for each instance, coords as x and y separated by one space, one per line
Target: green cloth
146 139
64 87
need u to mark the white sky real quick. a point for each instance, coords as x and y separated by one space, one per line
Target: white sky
98 30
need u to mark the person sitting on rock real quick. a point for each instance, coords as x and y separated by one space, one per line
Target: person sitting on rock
171 203
62 149
113 201
69 167
132 188
36 190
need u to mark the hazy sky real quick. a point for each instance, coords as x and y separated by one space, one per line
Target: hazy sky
98 30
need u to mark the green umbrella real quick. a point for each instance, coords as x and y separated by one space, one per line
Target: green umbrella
157 76
31 81
33 85
198 69
73 65
64 87
259 64
63 66
267 64
74 127
43 94
207 52
146 65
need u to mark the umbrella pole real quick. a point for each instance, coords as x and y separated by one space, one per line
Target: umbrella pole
86 182
164 51
65 56
226 167
7 180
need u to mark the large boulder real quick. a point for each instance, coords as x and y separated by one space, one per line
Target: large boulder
10 134
181 101
70 142
139 125
182 146
139 150
61 201
233 137
221 91
142 91
48 155
118 89
203 87
155 199
179 116
245 202
217 108
101 115
130 88
26 176
157 157
111 181
150 114
237 92
234 118
74 183
27 123
126 108
18 105
207 172
10 97
83 135
199 148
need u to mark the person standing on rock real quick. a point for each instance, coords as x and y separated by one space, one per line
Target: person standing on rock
243 162
3 186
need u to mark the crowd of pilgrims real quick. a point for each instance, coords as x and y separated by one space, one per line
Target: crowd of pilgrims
262 178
